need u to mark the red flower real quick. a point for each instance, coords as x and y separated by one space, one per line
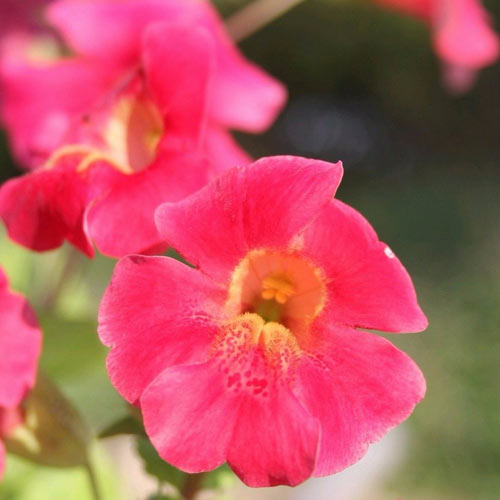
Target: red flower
256 357
463 37
20 343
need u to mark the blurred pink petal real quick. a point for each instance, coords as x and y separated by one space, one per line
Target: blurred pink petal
462 35
20 345
151 83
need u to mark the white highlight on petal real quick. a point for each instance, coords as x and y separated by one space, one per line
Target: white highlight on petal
389 253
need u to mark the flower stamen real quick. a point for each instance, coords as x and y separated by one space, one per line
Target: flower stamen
277 287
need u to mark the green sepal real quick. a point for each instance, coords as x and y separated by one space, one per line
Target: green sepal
52 431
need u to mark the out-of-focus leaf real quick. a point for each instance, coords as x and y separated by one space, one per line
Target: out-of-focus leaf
24 480
73 355
52 432
220 478
126 425
157 467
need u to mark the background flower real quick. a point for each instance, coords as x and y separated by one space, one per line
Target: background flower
105 40
20 344
86 195
462 35
146 103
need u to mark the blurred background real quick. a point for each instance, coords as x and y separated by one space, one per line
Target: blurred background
423 166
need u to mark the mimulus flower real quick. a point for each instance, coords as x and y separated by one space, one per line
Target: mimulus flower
462 34
148 154
256 356
139 116
84 97
20 343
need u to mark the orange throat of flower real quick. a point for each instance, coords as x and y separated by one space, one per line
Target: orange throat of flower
286 292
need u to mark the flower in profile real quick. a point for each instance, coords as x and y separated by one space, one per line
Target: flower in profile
138 115
149 153
256 356
462 35
80 98
20 344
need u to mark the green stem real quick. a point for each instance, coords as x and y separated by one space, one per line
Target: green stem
94 488
256 15
192 486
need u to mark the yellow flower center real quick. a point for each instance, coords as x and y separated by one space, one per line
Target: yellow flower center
278 288
281 288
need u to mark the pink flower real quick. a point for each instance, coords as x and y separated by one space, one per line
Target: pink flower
20 343
463 37
76 99
134 114
256 356
149 151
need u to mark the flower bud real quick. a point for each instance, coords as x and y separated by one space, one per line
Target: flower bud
51 431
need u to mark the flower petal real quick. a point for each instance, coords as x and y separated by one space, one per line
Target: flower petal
368 287
156 312
263 205
189 416
244 96
111 30
359 387
20 344
43 208
40 118
237 406
122 222
274 441
463 35
179 62
223 151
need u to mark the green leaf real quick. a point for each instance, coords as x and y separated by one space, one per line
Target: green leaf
220 478
74 356
175 255
25 480
157 467
126 425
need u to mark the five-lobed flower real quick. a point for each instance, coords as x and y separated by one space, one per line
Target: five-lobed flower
256 357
